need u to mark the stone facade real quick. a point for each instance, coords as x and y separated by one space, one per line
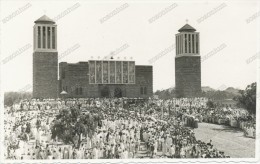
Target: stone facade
74 79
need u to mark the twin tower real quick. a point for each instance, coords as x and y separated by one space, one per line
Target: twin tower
45 61
45 58
187 63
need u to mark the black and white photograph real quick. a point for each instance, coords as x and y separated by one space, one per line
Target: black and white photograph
121 81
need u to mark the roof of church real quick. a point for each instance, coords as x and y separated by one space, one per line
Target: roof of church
44 19
187 28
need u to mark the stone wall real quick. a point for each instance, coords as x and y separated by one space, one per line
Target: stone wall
188 76
45 74
73 76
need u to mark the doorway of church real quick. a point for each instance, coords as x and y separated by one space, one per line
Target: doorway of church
118 92
105 92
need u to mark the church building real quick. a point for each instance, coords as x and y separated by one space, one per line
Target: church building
92 78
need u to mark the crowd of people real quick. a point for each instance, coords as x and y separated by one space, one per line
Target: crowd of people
238 118
130 128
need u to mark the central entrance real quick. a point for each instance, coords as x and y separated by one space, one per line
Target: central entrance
118 92
105 92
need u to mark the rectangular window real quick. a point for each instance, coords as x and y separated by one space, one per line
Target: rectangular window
98 72
176 43
92 74
49 37
131 72
105 72
118 72
39 36
44 37
189 44
193 43
125 72
112 72
197 43
53 38
181 44
185 44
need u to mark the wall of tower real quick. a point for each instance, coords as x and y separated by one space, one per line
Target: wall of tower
45 74
188 76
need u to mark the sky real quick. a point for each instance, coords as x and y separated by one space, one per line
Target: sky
142 30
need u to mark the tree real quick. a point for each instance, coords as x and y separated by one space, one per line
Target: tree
210 104
11 98
247 99
71 124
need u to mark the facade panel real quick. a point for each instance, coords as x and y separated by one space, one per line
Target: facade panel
75 78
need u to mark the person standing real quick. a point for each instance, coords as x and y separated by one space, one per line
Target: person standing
164 147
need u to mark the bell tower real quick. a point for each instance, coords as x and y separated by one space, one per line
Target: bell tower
45 58
187 63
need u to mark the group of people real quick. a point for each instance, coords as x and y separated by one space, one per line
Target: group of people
238 118
130 128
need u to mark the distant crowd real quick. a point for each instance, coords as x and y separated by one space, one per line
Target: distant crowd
130 128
